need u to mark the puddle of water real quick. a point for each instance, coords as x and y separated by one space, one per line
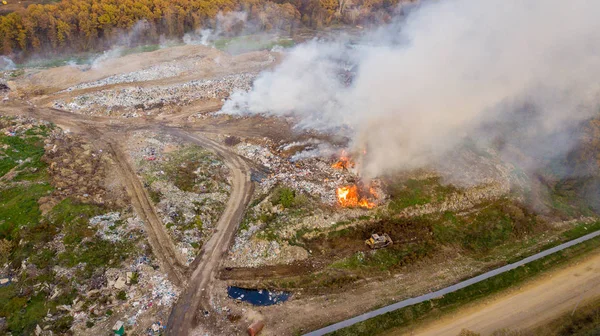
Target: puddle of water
257 297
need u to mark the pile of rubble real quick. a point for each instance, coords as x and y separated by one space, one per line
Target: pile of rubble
313 176
14 126
76 170
113 228
308 175
129 99
247 252
147 294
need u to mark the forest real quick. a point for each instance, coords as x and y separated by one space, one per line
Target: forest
86 25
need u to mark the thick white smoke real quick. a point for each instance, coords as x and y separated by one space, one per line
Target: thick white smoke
441 73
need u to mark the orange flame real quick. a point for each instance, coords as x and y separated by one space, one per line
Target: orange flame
349 197
344 162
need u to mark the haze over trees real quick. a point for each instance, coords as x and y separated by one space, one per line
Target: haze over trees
83 25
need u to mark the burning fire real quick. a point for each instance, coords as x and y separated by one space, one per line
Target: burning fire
344 162
349 196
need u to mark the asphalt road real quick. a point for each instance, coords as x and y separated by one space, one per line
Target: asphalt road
450 289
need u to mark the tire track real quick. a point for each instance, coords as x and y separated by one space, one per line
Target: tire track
206 265
162 245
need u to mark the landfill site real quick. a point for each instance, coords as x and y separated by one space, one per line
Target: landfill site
162 212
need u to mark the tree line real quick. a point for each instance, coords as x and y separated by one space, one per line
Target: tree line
85 25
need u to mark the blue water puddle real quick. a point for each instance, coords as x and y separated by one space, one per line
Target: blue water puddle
257 297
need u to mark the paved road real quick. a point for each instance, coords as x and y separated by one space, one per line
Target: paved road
450 289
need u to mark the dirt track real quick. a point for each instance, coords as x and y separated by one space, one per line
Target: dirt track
197 293
107 133
173 262
537 302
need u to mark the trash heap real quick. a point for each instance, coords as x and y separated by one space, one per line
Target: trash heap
140 98
313 176
76 168
170 69
190 187
297 166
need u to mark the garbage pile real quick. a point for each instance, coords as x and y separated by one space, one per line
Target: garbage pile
190 187
247 252
147 293
129 99
76 170
313 176
111 227
13 126
166 70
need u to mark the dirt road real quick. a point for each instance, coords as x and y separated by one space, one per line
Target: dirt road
197 294
173 262
108 132
537 302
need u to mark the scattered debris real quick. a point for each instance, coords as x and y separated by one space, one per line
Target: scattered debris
119 328
255 328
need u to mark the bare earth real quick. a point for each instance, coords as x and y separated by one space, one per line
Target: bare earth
534 304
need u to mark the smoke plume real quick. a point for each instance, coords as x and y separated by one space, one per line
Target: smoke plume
6 64
448 70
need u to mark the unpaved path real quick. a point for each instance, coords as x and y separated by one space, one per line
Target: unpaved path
173 262
107 133
535 303
205 266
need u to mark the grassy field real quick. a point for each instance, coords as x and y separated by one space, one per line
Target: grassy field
251 43
18 204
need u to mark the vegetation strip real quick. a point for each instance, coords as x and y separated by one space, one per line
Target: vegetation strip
450 289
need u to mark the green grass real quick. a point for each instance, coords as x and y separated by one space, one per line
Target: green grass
251 43
30 310
433 309
385 259
284 196
23 312
81 58
25 147
140 49
416 192
73 218
19 208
